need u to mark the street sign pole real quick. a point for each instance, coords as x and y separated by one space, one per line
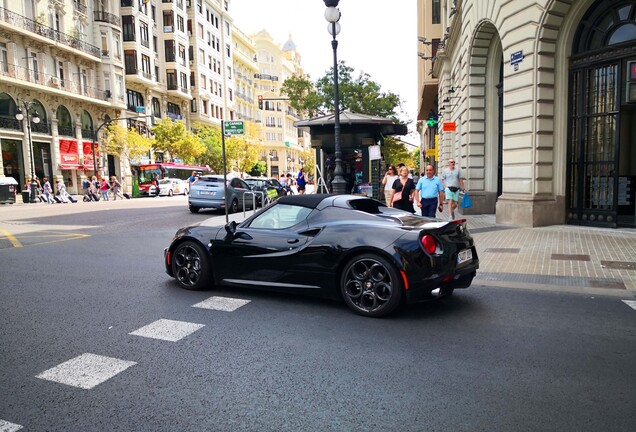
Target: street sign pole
227 220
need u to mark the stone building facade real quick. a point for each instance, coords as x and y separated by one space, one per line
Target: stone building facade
542 100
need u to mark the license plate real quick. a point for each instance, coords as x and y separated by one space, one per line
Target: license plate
206 193
465 255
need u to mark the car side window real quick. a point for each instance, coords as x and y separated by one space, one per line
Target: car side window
242 184
280 216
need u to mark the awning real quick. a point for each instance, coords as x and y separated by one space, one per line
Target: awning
71 167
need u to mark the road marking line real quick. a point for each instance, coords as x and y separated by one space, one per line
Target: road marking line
224 304
86 371
6 426
14 241
630 303
168 330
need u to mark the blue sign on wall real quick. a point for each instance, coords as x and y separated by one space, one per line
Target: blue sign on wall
516 57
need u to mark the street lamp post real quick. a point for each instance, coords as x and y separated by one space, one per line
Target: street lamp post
332 15
31 115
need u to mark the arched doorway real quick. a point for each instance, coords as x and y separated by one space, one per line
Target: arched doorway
602 117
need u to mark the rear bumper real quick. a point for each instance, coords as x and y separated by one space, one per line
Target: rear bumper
423 289
206 203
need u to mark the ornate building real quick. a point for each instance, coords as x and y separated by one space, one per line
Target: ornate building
545 113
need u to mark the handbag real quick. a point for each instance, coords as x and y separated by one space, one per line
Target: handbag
466 201
396 196
453 189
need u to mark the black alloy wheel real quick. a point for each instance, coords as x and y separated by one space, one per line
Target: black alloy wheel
371 285
234 206
190 266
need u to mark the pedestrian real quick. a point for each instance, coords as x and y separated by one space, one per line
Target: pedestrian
415 175
116 188
155 182
48 191
429 193
192 179
85 186
453 182
94 190
61 191
389 178
300 182
402 192
282 181
104 187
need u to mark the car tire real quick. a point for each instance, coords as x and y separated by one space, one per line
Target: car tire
234 206
371 286
190 266
170 192
194 209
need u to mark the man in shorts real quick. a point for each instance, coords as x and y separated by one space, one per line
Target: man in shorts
453 182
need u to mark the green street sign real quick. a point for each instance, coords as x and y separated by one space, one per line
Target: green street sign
234 127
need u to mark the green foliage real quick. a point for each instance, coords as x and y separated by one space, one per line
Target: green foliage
174 138
356 93
395 152
125 143
259 169
210 137
240 154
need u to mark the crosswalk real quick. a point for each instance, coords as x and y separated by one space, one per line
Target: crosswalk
88 370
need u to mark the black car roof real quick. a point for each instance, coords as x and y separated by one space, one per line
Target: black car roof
308 200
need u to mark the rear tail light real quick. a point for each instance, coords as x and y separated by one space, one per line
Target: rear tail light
429 243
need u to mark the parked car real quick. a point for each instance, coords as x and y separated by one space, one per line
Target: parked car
346 247
271 188
172 186
209 192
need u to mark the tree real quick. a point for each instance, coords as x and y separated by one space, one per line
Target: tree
210 137
173 138
395 152
240 154
358 94
310 161
258 169
127 144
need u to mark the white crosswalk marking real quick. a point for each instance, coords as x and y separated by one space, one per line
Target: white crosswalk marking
630 303
167 330
5 426
225 304
86 371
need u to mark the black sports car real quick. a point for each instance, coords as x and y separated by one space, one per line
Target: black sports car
340 246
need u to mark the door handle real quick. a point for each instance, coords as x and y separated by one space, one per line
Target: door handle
292 240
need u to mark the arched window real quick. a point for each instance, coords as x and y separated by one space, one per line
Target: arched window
64 121
8 108
605 25
87 124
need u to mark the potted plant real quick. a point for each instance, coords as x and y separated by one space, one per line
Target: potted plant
75 36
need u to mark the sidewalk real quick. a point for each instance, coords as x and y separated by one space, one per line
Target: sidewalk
561 257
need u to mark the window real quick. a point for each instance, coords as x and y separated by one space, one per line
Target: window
203 81
436 12
130 60
184 81
180 24
171 79
134 99
200 6
193 105
280 216
168 22
174 109
143 33
182 54
4 63
145 65
128 27
169 48
156 108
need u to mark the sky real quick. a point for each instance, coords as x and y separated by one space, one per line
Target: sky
376 37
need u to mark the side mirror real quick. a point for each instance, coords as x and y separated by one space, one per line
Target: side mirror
230 228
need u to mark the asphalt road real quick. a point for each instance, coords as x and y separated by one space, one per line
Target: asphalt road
85 277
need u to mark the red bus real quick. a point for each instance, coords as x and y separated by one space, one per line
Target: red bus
145 173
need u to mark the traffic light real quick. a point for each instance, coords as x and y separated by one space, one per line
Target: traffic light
432 121
260 102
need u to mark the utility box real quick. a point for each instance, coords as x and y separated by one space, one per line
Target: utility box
8 189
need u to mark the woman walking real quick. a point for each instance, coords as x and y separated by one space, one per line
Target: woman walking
104 187
387 182
403 192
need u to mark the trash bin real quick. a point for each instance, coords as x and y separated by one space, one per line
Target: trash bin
26 197
8 187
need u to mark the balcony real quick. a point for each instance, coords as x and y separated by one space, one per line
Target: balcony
87 133
79 7
102 16
51 81
42 127
10 123
127 3
27 24
66 131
